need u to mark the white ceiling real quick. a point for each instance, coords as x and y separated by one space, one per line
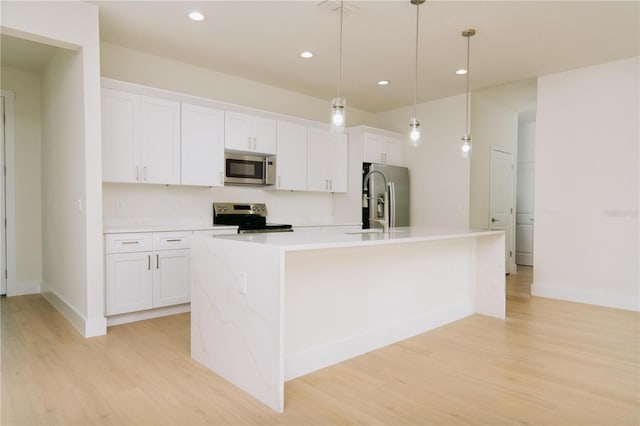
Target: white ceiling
262 40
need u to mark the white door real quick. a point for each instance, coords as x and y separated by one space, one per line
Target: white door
160 136
128 282
202 146
237 131
171 277
318 160
372 150
3 229
524 214
501 199
291 167
339 163
120 136
264 135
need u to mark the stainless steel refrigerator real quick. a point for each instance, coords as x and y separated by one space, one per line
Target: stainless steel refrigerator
398 195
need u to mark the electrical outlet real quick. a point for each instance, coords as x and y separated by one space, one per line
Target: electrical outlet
242 282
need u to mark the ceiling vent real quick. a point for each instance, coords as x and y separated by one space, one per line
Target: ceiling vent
334 6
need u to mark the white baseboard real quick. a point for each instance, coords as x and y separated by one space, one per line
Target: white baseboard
591 297
307 361
22 288
86 327
148 314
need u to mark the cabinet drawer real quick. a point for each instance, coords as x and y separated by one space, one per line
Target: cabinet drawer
128 242
171 240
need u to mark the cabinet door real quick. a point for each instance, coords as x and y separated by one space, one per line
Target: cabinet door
318 170
265 135
171 277
238 131
120 136
338 163
372 150
392 151
128 282
160 127
291 166
202 147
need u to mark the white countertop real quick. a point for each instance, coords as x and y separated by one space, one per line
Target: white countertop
292 241
165 228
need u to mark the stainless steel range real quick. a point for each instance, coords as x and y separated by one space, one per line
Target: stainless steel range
248 217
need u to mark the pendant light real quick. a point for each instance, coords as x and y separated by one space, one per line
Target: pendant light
466 139
414 124
338 105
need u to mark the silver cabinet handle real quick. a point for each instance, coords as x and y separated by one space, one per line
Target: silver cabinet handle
146 173
148 262
176 240
137 172
279 182
157 261
130 242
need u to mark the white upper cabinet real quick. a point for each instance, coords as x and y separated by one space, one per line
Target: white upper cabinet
120 136
378 148
291 165
326 161
140 138
318 158
339 162
202 159
249 133
160 130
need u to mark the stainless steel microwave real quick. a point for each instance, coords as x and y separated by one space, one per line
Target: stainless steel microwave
242 169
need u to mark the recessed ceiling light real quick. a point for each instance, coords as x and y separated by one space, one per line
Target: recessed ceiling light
461 71
306 54
383 82
196 16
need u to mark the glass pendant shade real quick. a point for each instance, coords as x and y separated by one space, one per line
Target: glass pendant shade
338 115
466 146
414 133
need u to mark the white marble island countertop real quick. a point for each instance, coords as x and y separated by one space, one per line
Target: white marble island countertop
292 241
267 308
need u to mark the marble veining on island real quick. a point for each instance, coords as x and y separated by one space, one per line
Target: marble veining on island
267 308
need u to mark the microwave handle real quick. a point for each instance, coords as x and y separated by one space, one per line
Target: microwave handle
267 178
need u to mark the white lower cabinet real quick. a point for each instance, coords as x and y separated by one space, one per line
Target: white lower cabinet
171 277
129 282
147 270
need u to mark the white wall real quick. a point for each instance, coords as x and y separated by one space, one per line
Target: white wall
493 125
28 206
586 186
439 174
73 266
120 63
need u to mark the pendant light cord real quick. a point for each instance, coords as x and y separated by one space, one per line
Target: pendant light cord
415 93
466 124
340 49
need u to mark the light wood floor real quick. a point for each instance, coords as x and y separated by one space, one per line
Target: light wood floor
550 362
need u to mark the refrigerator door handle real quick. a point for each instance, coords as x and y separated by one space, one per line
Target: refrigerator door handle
392 205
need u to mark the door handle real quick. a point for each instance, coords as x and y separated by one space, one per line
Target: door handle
493 219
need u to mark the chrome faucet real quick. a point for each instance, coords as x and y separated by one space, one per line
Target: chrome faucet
384 222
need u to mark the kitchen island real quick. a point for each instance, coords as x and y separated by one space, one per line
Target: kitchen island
267 308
